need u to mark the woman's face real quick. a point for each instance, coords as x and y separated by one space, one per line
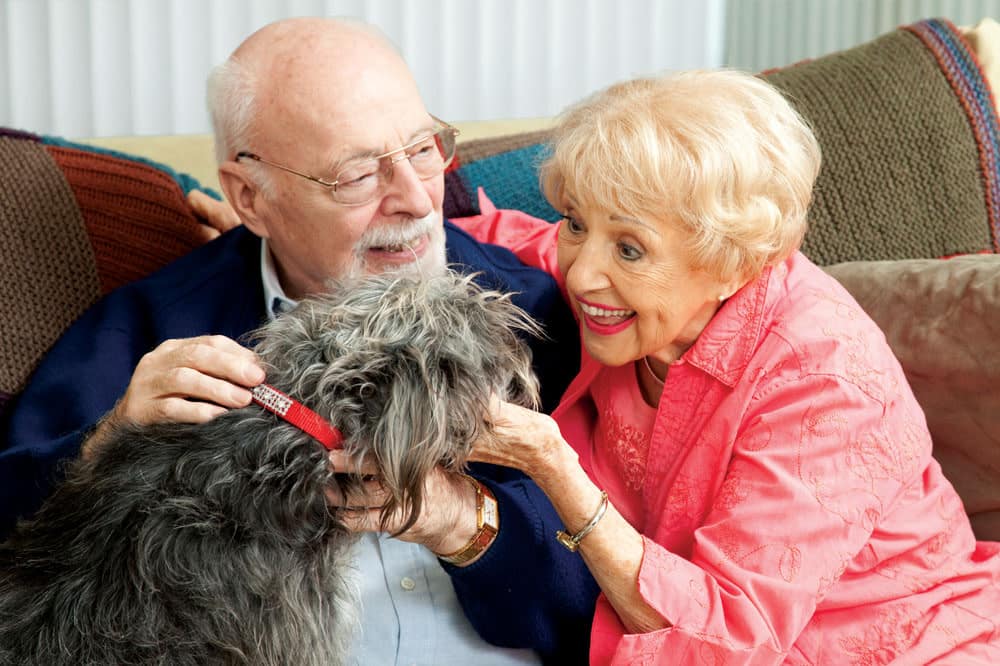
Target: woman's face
631 283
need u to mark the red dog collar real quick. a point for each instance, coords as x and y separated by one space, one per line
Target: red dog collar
297 414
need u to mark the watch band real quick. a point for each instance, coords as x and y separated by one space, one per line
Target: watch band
487 526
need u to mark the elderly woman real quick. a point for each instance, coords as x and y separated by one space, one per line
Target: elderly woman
740 461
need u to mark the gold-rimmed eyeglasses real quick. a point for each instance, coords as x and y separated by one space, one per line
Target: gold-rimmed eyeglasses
362 181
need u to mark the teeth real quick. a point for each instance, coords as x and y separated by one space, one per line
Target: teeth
601 312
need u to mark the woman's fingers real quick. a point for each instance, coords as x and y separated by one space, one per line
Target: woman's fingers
521 438
217 215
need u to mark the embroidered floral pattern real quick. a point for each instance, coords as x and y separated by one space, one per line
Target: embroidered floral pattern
630 446
734 489
894 630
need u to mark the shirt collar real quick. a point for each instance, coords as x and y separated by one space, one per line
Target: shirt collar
726 346
275 300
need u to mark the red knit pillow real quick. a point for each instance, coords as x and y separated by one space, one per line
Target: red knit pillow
76 223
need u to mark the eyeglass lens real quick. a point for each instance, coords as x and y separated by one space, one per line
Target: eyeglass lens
362 181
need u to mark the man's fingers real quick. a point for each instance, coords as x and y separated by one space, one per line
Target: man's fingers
190 383
341 462
179 410
361 520
219 356
190 380
369 494
213 356
448 508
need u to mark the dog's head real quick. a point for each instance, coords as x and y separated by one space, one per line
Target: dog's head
405 368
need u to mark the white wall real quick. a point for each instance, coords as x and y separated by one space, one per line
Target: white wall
80 68
761 34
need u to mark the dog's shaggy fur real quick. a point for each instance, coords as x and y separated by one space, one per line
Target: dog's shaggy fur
192 544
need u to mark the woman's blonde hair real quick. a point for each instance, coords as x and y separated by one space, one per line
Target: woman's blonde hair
720 152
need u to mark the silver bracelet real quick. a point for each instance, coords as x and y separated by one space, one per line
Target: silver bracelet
572 541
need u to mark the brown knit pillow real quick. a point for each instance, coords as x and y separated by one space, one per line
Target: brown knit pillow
908 130
75 223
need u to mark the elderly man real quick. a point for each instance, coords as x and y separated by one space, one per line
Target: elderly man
334 166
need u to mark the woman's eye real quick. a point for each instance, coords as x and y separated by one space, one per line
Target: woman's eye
573 225
629 252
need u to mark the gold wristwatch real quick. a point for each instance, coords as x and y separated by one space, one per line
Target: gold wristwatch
487 524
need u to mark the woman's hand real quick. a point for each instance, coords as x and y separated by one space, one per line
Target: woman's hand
218 216
526 440
613 551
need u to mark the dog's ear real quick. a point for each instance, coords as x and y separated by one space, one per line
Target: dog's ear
496 332
410 433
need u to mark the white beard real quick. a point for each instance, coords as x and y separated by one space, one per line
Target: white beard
432 263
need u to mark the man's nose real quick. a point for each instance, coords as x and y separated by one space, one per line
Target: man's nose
405 191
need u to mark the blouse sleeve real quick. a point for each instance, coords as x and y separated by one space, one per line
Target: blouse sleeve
531 239
815 464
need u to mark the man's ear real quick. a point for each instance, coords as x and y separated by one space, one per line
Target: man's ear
244 196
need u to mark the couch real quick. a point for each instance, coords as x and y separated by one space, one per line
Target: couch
906 215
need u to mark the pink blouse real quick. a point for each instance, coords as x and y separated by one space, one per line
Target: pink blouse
620 440
790 508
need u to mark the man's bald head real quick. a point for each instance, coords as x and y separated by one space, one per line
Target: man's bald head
291 72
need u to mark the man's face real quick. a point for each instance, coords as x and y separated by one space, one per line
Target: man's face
315 238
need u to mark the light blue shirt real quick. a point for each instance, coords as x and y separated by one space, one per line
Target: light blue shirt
409 611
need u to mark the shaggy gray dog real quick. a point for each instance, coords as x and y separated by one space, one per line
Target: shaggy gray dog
193 544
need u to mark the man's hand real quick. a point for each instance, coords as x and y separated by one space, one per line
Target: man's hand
218 216
189 381
447 521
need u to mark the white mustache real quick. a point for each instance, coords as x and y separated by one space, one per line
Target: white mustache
399 234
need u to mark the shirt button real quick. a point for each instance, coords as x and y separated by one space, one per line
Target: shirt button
407 583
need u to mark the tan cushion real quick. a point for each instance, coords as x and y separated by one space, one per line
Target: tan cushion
942 319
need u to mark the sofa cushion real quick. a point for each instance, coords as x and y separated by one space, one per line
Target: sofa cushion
941 319
911 162
507 168
76 222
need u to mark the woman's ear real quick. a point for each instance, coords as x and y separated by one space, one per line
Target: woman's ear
244 196
731 287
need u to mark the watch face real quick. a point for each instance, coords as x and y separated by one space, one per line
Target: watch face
490 516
